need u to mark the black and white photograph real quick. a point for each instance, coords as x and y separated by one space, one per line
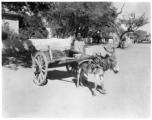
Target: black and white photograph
76 59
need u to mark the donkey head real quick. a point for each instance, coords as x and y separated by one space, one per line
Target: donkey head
112 60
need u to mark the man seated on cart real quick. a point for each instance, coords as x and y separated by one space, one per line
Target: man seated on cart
77 46
78 49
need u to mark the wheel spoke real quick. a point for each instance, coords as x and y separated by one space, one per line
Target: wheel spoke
39 78
43 66
34 70
36 62
36 57
42 62
36 74
42 76
43 70
40 58
35 65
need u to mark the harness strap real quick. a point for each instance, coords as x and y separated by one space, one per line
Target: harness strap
103 64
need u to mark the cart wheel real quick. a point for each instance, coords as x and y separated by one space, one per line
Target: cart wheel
72 68
40 66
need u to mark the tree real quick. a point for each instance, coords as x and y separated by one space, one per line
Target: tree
28 8
65 19
140 34
132 23
31 24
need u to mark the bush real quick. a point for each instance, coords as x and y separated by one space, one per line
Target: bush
9 35
12 43
13 36
24 35
4 35
40 33
32 27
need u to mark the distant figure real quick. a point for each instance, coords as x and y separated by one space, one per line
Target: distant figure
79 29
96 37
6 26
107 37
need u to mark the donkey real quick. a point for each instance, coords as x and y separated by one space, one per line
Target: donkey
98 66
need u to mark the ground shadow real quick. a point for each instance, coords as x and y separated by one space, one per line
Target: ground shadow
59 75
90 85
17 53
108 45
93 44
13 61
124 48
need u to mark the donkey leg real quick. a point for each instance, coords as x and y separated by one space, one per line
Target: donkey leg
78 76
81 77
102 85
95 84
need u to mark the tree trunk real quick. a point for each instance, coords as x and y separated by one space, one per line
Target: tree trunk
119 45
57 34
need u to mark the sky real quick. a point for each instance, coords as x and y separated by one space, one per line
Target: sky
138 8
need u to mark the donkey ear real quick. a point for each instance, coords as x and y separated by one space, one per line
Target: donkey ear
107 50
113 49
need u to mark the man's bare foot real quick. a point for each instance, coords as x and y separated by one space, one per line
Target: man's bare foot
103 91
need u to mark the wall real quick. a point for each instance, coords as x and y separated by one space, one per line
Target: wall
13 21
13 46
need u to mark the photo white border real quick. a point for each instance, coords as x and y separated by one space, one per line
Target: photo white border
67 1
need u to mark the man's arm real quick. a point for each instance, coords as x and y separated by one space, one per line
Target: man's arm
73 49
84 50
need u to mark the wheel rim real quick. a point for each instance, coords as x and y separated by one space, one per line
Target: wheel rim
40 68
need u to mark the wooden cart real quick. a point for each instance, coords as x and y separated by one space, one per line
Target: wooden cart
41 60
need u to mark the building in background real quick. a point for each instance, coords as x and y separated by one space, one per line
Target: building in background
10 21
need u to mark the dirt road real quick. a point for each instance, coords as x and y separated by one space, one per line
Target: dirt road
128 92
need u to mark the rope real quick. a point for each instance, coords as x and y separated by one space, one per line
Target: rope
102 64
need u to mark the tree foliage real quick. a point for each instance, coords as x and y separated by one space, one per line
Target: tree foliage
32 27
27 8
65 19
31 13
140 34
132 22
